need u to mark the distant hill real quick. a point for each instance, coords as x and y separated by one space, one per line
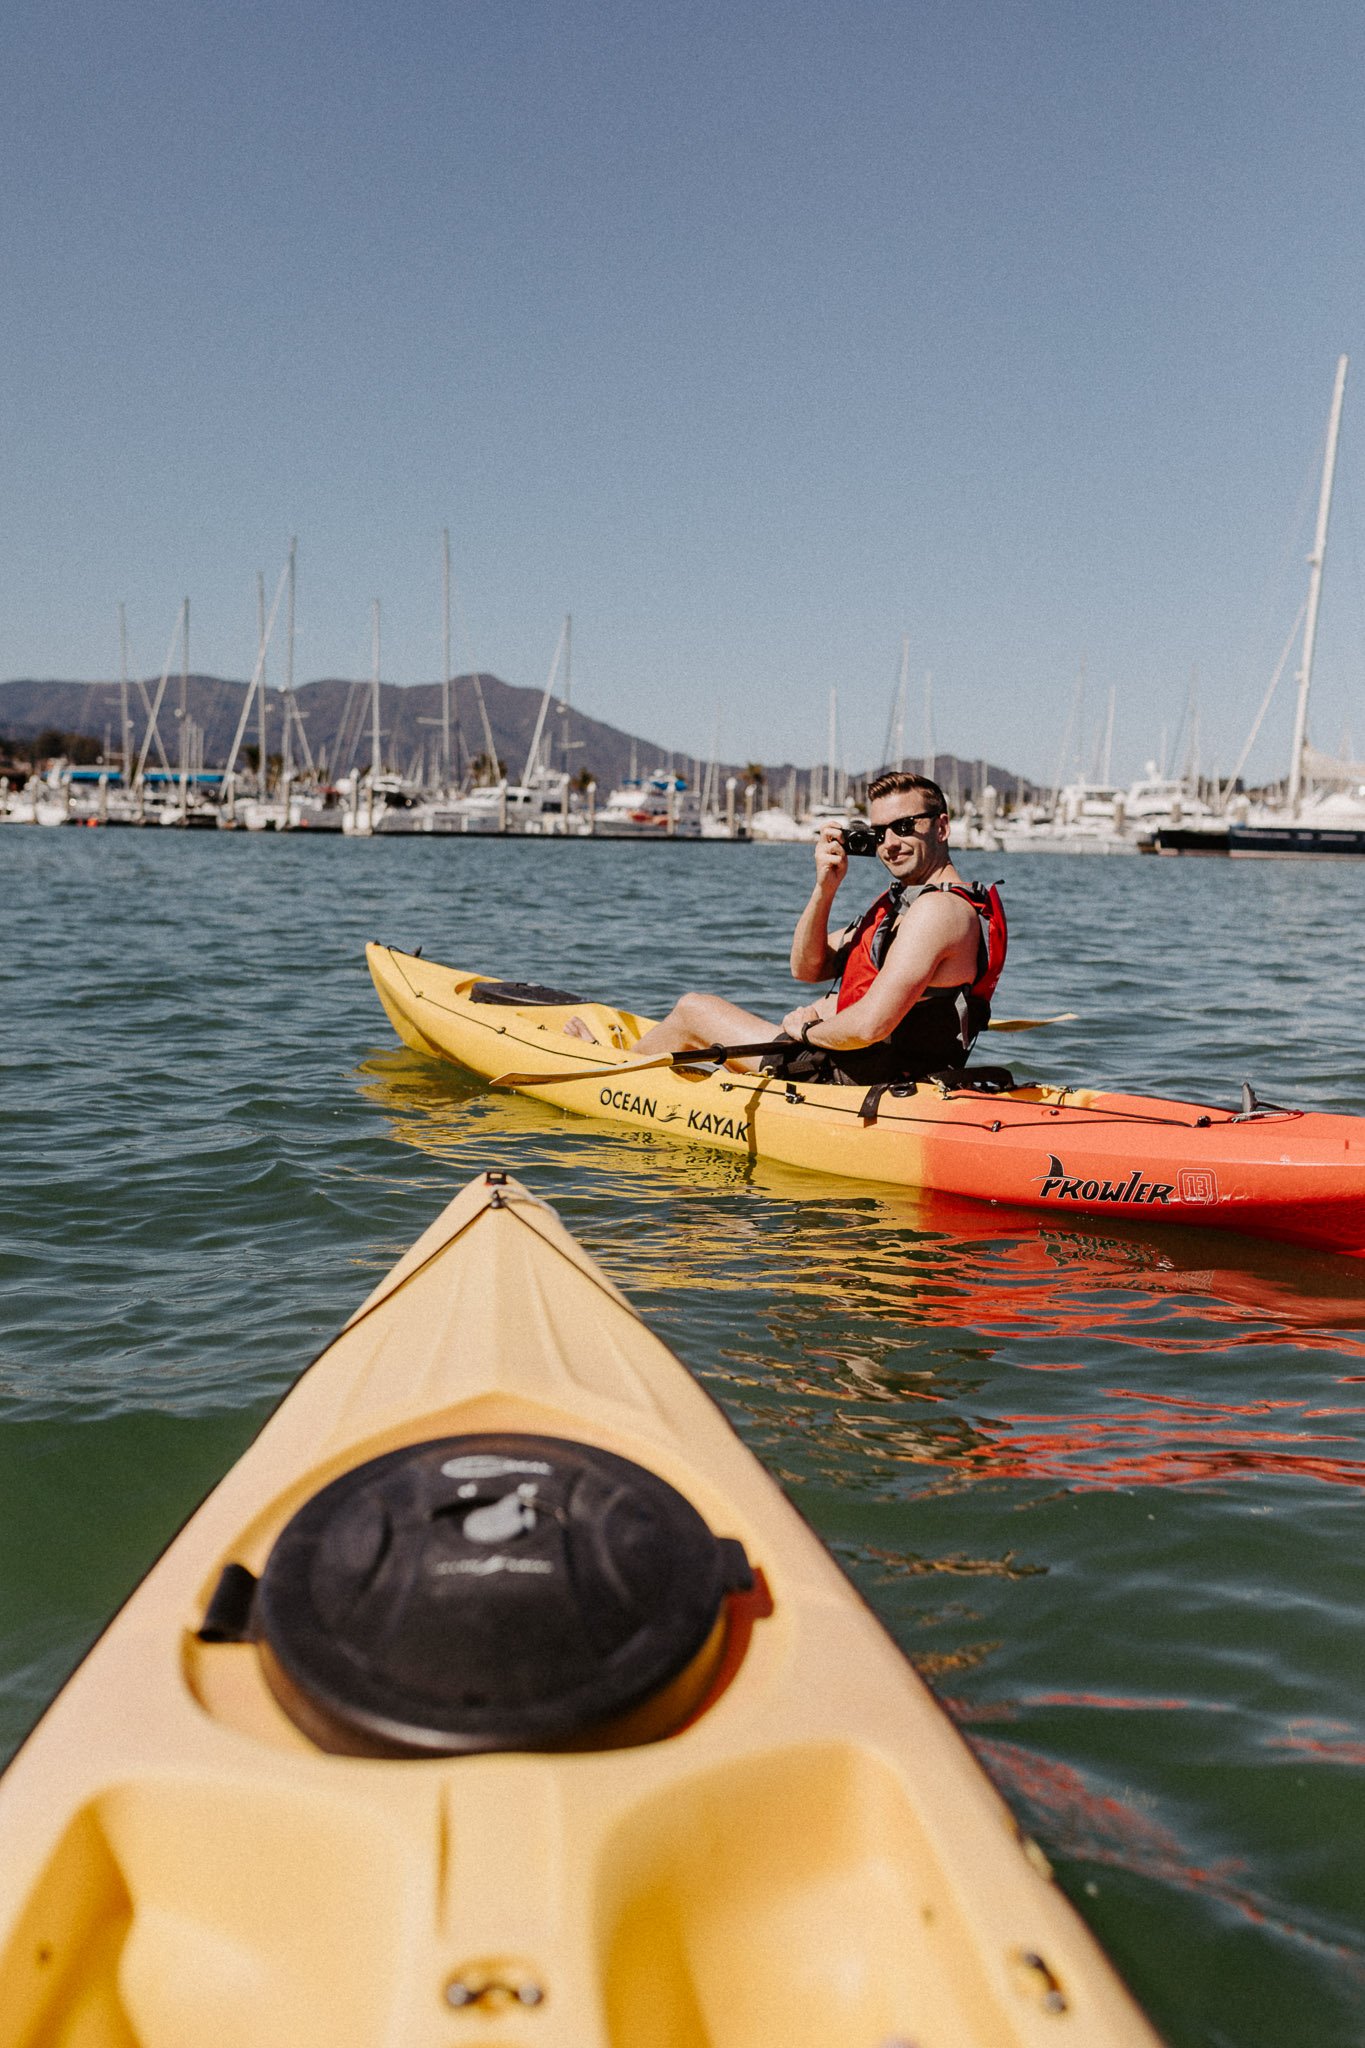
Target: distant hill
336 717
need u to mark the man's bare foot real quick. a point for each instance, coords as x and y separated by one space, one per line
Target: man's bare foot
576 1028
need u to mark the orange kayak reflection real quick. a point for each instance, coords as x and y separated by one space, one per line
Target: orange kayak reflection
1069 1301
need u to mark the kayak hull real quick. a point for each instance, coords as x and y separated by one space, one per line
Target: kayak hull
813 1859
1294 1176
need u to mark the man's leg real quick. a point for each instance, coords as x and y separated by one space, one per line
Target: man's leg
697 1019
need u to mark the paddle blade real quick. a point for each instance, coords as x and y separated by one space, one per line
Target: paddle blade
1031 1023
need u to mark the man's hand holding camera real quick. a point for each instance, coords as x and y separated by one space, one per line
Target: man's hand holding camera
831 856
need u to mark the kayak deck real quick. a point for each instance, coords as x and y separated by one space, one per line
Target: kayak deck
812 1859
1290 1175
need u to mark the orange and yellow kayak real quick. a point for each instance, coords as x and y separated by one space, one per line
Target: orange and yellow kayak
1289 1174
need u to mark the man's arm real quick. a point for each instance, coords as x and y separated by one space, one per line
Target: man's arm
930 931
813 958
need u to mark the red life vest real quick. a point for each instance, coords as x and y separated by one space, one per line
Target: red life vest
973 999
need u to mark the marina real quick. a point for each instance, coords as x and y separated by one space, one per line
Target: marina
1318 811
1155 815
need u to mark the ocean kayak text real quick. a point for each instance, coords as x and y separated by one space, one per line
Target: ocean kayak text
708 1122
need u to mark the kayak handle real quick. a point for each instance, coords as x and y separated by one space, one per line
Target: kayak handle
477 1985
228 1618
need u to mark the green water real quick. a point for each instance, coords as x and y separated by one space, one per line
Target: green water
1103 1483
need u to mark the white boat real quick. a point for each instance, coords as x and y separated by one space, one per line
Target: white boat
378 801
1323 815
775 826
380 804
651 808
535 807
301 810
1328 824
715 825
23 806
52 797
71 796
1089 818
976 829
1103 819
475 810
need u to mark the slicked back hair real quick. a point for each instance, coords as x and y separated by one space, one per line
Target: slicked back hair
900 782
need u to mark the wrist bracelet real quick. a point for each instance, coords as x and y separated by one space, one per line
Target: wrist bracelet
805 1029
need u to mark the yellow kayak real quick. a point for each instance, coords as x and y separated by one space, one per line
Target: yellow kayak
497 1696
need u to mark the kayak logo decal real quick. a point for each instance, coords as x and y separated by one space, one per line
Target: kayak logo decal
1197 1184
481 1465
1059 1185
484 1567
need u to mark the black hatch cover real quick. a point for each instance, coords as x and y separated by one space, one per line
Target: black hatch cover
492 1592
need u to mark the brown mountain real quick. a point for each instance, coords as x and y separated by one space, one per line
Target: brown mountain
336 718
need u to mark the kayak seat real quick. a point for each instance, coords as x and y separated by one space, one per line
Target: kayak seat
521 995
951 1080
978 1080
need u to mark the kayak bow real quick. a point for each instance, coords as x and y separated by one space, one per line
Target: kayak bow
498 1696
1288 1174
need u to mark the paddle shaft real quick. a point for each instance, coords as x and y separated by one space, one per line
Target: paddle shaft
698 1055
702 1055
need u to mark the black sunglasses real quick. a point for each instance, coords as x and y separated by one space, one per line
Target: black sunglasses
904 828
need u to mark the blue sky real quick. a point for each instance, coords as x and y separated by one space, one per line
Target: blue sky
755 335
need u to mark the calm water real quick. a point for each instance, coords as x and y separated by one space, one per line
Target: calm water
1103 1484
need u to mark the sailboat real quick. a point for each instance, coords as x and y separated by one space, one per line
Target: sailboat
539 803
1331 820
832 804
296 806
378 801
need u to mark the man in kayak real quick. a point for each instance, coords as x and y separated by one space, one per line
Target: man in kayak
915 972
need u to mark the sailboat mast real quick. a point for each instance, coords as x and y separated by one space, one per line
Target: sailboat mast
184 708
832 782
374 693
567 692
260 684
1315 560
896 758
445 661
894 750
533 755
286 748
495 769
184 681
1190 776
1072 725
124 721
